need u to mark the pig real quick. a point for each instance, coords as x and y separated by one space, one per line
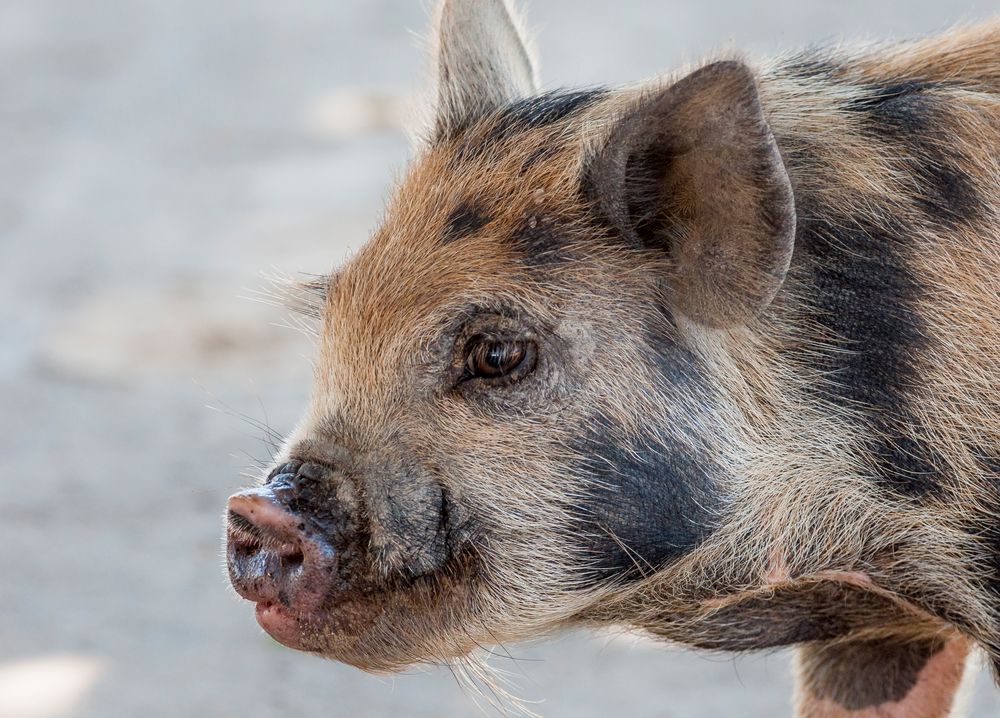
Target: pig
713 357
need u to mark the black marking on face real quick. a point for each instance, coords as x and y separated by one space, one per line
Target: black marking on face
464 221
674 364
864 295
538 241
812 65
308 491
647 502
527 114
865 674
308 488
541 110
913 121
649 498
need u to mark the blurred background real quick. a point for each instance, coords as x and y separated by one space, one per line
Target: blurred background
155 158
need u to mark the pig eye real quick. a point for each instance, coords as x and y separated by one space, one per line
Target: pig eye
493 359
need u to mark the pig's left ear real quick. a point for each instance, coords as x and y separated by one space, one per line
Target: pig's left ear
483 61
695 170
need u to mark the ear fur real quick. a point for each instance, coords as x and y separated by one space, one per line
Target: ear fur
483 61
695 171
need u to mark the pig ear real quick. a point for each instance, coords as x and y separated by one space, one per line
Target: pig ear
694 170
483 61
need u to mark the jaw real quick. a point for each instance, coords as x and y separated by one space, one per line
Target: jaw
380 630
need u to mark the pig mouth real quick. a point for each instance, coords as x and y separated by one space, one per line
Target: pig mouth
282 624
318 591
282 563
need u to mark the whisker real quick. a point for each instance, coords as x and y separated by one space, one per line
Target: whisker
270 437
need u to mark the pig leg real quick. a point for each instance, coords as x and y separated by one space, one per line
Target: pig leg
880 678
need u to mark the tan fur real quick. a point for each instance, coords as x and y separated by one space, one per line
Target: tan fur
802 514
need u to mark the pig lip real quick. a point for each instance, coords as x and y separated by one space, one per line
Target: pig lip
280 623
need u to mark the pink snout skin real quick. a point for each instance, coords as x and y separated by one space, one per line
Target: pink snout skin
277 561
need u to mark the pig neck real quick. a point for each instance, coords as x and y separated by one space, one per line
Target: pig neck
844 497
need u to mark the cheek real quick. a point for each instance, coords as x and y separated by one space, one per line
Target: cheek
413 488
493 463
644 502
408 517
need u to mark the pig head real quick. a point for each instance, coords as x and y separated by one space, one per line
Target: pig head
612 357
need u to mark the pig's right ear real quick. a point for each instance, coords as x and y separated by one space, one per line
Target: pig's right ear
694 170
483 62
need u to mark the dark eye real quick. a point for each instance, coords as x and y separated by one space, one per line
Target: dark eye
493 358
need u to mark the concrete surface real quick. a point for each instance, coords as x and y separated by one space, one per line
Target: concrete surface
154 158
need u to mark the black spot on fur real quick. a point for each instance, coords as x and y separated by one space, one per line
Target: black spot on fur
541 110
465 220
646 503
865 674
912 117
529 113
649 498
812 65
539 241
864 294
673 362
882 102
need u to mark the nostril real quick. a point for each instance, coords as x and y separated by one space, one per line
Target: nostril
273 557
293 560
289 468
245 539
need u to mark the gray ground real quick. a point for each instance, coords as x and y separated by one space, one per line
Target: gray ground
154 158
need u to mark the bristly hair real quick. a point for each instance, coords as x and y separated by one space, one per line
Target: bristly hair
304 296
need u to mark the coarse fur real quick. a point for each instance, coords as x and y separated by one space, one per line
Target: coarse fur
759 417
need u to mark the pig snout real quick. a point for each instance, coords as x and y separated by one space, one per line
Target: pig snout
275 557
